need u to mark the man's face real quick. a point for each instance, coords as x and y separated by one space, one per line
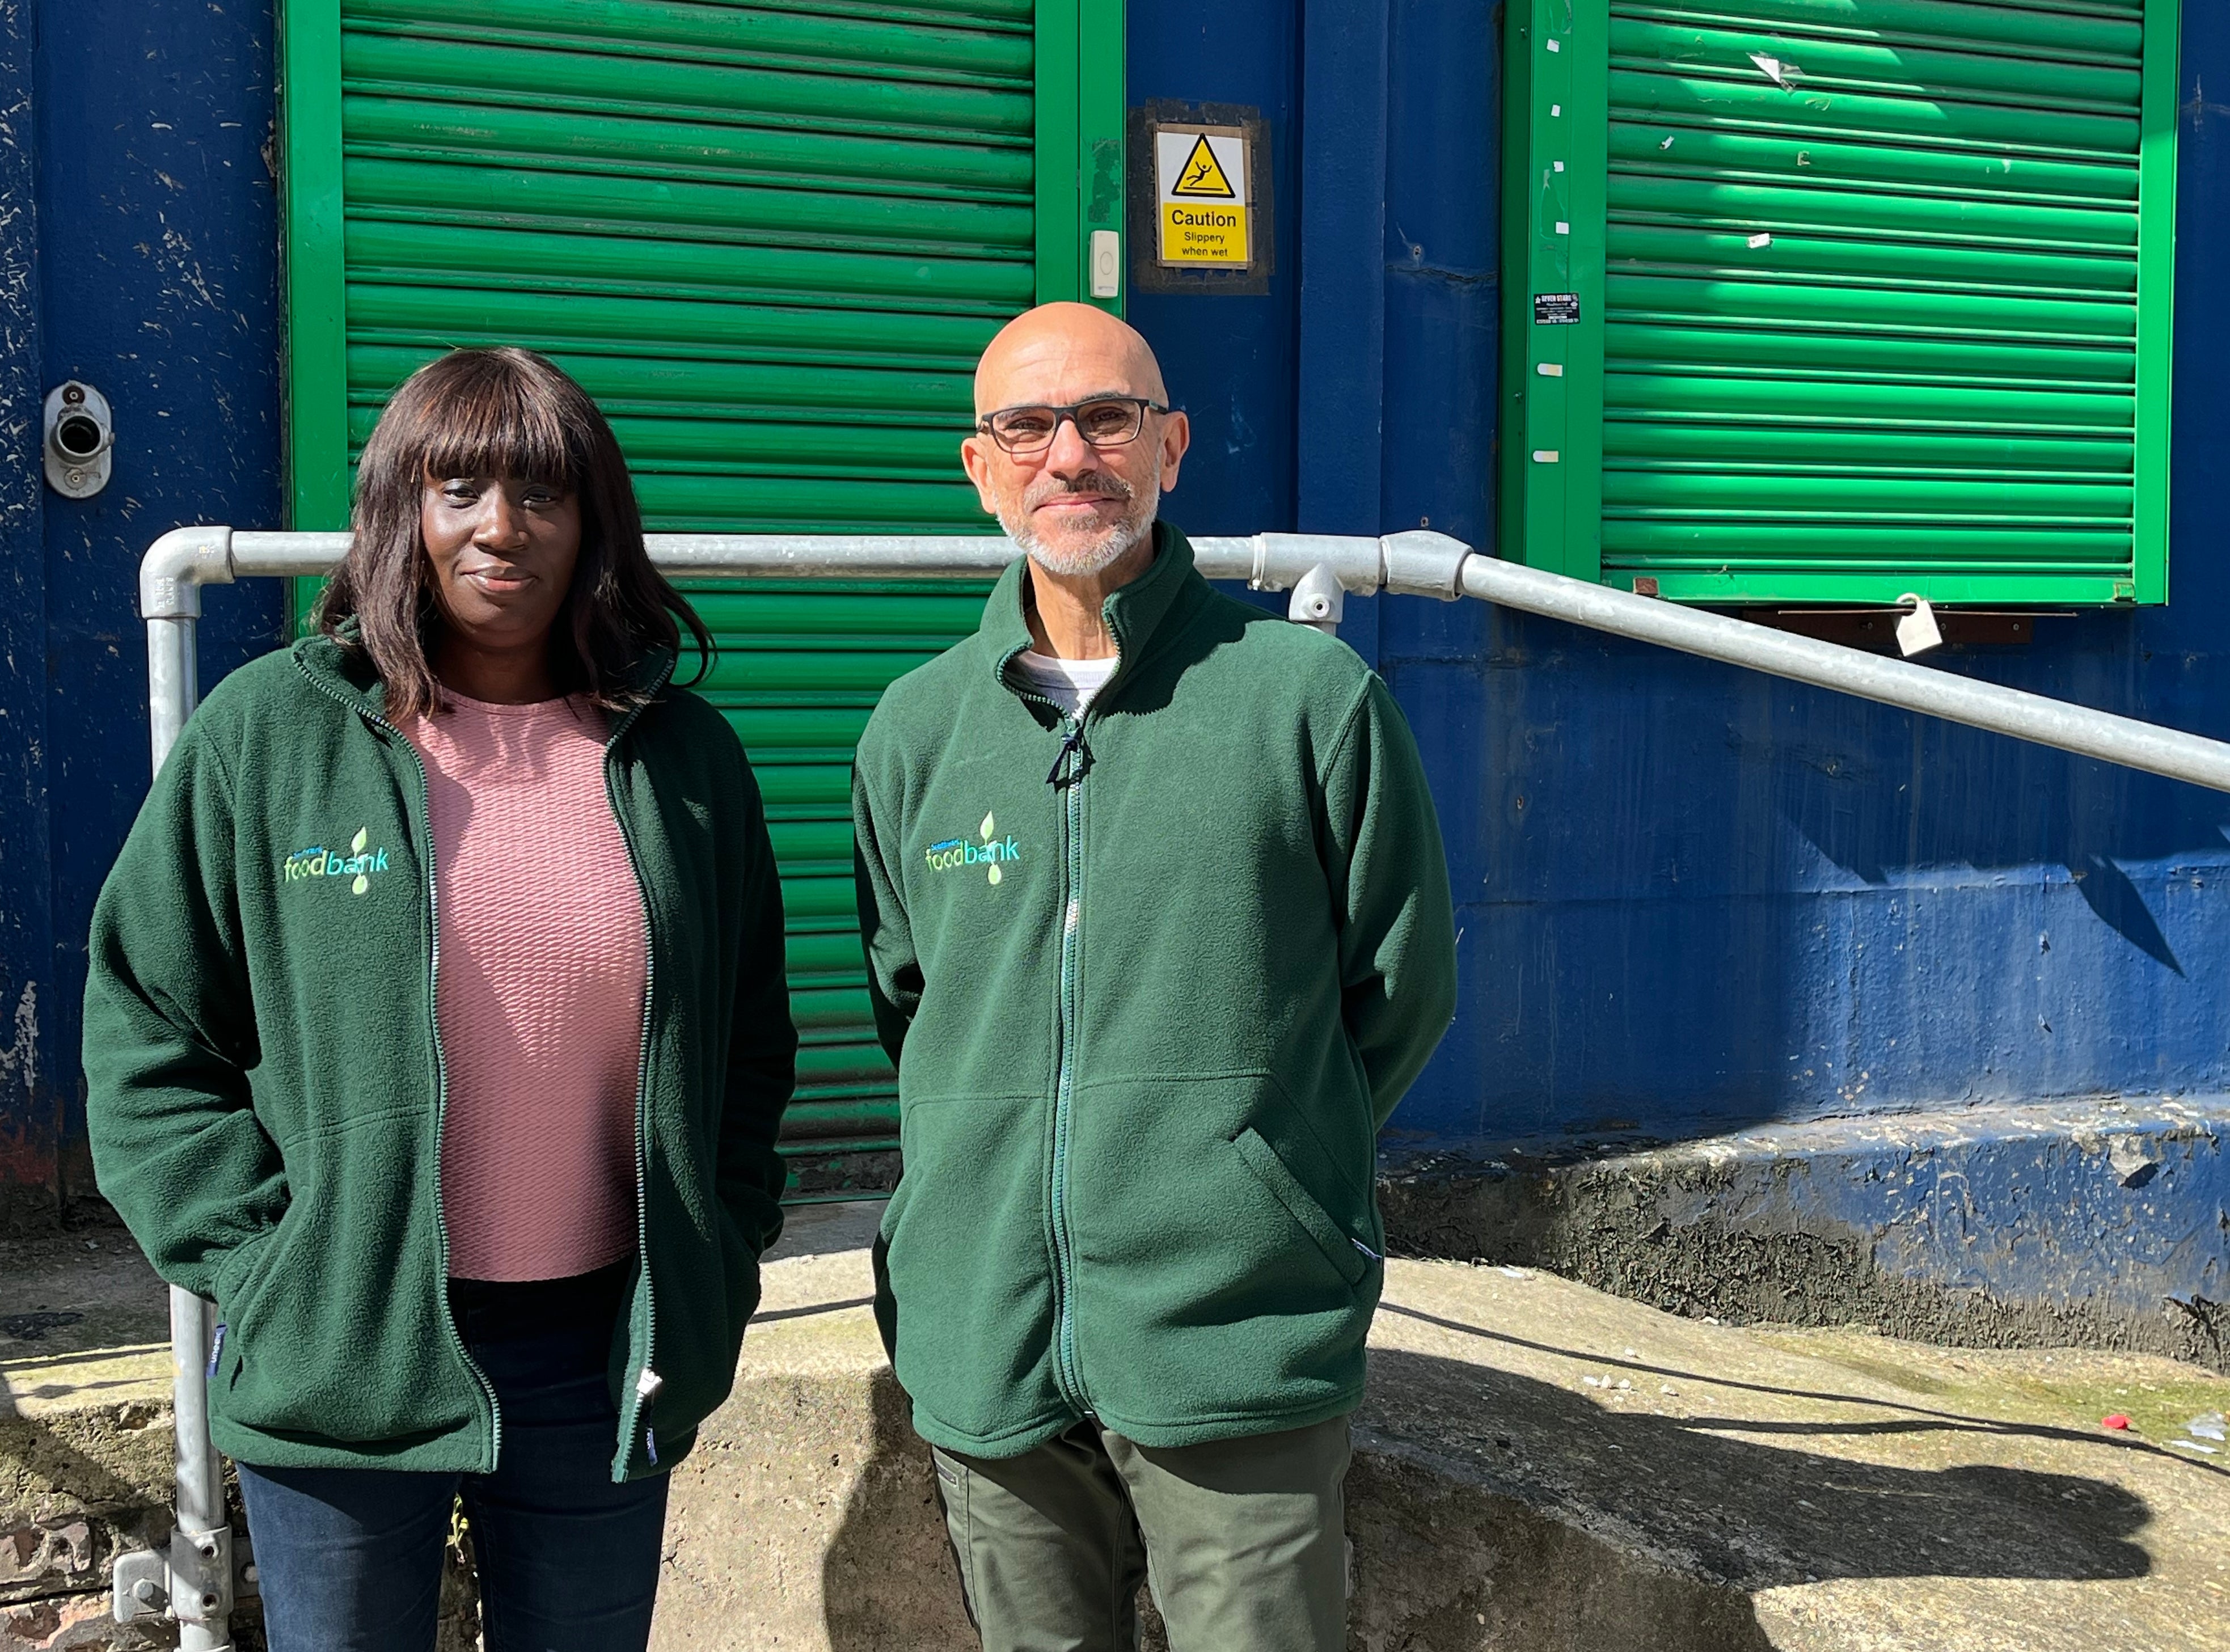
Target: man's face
1075 507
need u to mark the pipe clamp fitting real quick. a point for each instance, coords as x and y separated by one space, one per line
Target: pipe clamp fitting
175 568
1420 563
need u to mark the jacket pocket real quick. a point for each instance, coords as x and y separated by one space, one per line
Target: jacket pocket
241 1267
966 1302
336 1325
1345 1253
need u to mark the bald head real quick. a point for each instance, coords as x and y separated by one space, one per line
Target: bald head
1078 509
1064 354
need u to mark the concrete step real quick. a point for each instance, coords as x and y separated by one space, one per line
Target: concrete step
1539 1466
2093 1224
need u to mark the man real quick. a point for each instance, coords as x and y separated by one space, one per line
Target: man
1159 930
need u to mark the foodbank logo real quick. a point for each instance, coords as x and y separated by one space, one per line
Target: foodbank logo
990 851
360 865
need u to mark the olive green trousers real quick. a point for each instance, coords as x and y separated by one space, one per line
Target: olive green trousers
1243 1542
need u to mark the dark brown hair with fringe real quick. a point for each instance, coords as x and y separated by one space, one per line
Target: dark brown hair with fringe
513 414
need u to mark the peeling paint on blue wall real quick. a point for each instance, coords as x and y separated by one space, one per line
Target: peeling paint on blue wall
2097 1224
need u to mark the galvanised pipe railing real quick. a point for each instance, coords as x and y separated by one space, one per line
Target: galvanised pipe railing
193 1582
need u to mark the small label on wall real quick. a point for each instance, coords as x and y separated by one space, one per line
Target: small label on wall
1556 309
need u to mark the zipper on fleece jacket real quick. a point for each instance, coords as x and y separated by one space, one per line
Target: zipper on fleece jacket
1074 757
1072 919
646 1380
440 1073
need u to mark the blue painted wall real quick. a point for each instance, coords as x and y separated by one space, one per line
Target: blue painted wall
138 252
1690 899
1693 898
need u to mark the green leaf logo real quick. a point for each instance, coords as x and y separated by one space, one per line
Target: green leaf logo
361 884
356 847
988 827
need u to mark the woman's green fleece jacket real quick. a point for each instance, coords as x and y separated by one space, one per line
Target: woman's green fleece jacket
1153 982
265 1087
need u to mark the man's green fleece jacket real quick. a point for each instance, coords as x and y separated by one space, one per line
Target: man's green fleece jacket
1153 980
265 1086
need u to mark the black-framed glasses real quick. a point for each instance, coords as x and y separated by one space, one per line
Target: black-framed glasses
1103 422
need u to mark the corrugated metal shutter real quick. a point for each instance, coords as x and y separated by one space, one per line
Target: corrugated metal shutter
1875 296
770 240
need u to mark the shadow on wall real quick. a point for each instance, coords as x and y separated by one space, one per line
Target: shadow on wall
1944 798
1712 899
1663 1528
1739 1513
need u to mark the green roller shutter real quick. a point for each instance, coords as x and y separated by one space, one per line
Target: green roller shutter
1871 297
770 240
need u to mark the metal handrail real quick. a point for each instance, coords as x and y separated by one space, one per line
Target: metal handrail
193 1581
2039 717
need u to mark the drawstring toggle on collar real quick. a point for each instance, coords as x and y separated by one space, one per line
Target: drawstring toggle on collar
1073 752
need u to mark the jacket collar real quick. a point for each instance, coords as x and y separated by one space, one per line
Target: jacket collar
1132 614
347 675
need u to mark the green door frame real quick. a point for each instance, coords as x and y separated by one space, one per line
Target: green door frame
316 283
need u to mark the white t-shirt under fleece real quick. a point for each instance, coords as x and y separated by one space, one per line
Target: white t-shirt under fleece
1070 684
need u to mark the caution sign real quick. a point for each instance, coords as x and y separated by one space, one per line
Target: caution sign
1200 175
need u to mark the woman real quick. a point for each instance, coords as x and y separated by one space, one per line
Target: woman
437 1028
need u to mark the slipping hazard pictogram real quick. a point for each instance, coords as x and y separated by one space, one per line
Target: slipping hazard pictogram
1201 176
1201 183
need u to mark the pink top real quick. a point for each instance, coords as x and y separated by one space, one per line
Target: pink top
539 998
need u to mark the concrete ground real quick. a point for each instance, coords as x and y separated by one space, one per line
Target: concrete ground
1542 1466
1539 1466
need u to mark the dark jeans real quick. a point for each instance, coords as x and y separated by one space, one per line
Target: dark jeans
349 1559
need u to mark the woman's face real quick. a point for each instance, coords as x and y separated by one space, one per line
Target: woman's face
502 551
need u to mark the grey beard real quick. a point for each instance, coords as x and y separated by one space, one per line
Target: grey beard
1114 543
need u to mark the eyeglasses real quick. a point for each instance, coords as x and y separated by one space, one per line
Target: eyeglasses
1103 422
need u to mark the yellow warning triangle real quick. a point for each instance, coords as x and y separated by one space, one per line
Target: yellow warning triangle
1203 175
